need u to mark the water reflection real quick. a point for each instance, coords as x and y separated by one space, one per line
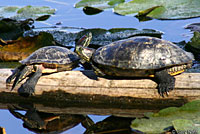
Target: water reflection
42 122
45 122
111 125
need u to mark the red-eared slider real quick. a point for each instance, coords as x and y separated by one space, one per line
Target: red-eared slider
44 60
138 57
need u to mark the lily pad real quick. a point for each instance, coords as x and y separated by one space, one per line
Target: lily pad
163 121
104 37
67 39
12 29
19 49
91 10
26 12
100 4
160 9
194 44
185 126
100 36
195 27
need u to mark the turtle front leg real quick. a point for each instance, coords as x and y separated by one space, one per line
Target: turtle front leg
165 82
28 88
20 74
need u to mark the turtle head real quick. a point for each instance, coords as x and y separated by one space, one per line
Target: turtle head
82 49
84 41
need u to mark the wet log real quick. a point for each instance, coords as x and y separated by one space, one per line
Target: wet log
83 90
85 82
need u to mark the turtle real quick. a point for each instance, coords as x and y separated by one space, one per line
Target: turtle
137 57
49 59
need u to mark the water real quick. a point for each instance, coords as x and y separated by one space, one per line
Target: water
69 16
14 125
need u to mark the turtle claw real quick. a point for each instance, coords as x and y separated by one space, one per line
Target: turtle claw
167 93
165 82
21 75
164 88
12 77
9 80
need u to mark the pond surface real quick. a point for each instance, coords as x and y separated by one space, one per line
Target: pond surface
69 16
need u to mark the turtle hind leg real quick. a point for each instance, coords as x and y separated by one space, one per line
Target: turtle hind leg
22 74
28 88
165 82
17 70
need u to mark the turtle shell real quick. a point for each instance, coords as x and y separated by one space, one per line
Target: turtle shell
51 55
140 53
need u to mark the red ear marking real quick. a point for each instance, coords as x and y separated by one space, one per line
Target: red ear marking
81 39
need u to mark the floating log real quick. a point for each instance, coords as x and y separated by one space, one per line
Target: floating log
82 89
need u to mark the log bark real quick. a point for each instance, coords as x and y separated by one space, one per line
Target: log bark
82 89
85 82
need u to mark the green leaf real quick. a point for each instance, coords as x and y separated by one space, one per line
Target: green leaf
10 9
185 126
84 3
42 18
91 10
195 40
100 4
12 29
164 120
26 12
165 9
115 2
35 10
194 44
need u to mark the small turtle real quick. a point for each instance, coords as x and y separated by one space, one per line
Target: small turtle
48 59
138 57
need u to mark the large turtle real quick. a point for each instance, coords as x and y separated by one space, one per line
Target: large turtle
140 56
48 59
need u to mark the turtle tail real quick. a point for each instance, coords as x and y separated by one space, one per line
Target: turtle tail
22 73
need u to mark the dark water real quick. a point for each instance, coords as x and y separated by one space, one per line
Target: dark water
69 16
